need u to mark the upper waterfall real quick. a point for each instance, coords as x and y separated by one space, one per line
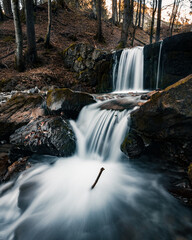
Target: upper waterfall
130 70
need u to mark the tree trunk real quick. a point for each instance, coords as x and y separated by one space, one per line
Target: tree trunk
31 43
158 31
114 11
119 11
143 20
19 64
135 26
77 4
47 37
130 12
1 14
7 7
174 17
94 8
140 5
99 35
153 20
125 26
172 13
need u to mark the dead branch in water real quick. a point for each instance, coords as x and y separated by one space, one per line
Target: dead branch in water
97 179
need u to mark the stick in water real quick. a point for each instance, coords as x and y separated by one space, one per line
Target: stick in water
97 179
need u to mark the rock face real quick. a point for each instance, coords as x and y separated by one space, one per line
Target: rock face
92 65
175 63
67 102
46 135
18 111
165 122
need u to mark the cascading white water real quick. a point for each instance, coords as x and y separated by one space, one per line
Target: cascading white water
159 63
55 202
130 70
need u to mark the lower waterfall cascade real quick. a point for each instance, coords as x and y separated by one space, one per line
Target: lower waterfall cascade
130 70
55 202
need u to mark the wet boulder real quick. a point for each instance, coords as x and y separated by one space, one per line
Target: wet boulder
18 111
165 122
46 135
118 104
67 102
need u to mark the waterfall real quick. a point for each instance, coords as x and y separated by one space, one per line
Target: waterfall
159 63
130 70
55 202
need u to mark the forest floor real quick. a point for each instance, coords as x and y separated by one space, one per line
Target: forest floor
68 27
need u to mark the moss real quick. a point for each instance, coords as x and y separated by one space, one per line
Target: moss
80 59
58 93
182 81
190 172
72 46
120 46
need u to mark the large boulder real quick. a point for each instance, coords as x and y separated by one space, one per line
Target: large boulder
18 111
67 102
92 66
46 135
175 60
165 122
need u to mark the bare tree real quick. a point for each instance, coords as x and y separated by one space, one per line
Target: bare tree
19 64
125 26
99 35
119 11
47 37
140 6
31 42
7 7
158 31
143 19
135 26
114 11
77 4
153 20
1 14
173 15
94 8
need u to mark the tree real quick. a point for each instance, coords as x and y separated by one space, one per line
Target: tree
126 23
114 11
135 26
140 5
31 42
77 4
143 19
153 20
119 11
19 64
94 8
47 37
173 15
1 14
7 7
99 35
158 31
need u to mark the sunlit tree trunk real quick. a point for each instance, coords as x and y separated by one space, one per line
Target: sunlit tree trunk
158 31
140 6
18 36
31 42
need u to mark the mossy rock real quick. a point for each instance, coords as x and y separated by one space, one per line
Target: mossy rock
67 102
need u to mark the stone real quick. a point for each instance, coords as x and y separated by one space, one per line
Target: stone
67 102
50 135
18 111
118 104
166 122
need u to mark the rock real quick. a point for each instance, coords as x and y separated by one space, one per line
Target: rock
165 122
175 63
67 102
118 104
132 145
92 65
46 135
18 111
190 172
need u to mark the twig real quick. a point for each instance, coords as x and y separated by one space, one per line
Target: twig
97 179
